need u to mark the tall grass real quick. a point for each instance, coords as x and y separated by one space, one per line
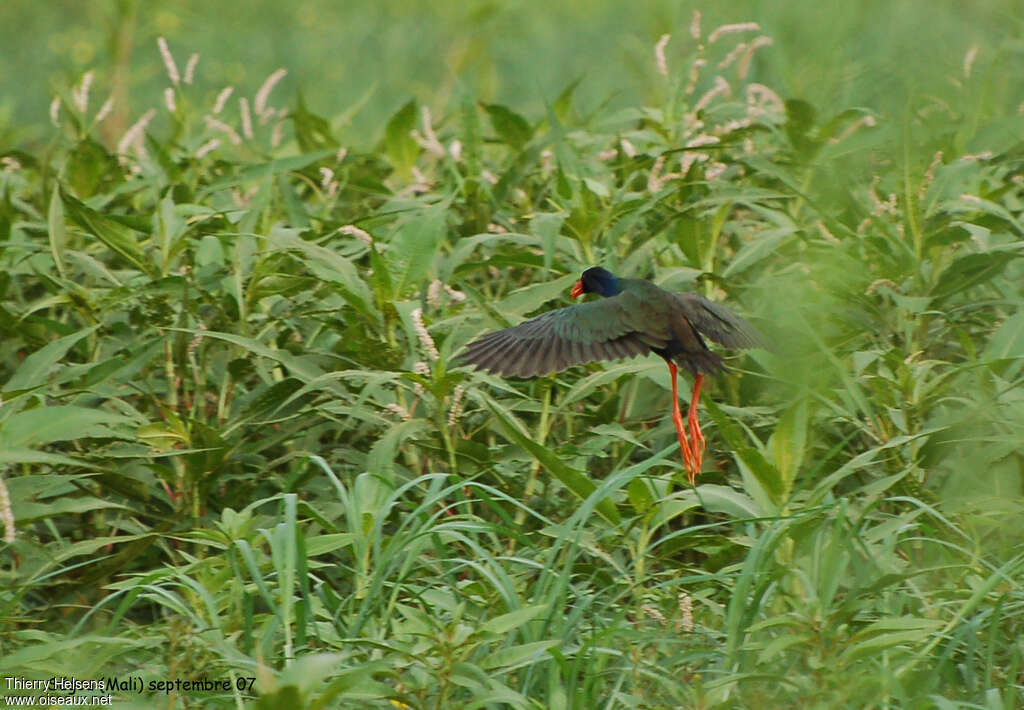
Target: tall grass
234 448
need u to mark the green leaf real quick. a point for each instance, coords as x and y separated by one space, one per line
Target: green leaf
292 163
37 510
722 499
514 619
512 128
41 654
611 372
750 585
470 676
302 368
548 226
11 455
572 479
563 104
766 475
753 252
780 644
787 443
517 655
472 149
1008 341
115 235
800 118
529 298
412 250
37 367
58 231
381 459
322 544
297 215
328 265
399 144
90 168
307 674
170 228
162 436
666 509
311 131
974 269
60 423
888 633
834 126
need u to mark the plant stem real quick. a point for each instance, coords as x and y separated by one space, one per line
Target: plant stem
531 482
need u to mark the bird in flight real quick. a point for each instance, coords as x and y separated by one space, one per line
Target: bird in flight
634 317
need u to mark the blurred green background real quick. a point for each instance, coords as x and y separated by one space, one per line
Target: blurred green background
357 61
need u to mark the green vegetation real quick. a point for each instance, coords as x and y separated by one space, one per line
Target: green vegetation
232 447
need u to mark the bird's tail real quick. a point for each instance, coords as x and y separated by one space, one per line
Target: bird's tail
703 362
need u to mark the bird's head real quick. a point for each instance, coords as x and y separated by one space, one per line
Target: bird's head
596 280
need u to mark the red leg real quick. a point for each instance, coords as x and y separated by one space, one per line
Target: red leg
695 432
677 419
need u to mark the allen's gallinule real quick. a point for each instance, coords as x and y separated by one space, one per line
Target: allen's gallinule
635 317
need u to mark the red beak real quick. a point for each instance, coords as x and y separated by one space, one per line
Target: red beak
577 289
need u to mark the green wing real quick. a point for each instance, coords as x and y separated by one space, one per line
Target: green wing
587 332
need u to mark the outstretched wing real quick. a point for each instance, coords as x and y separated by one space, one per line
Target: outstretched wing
587 332
719 323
